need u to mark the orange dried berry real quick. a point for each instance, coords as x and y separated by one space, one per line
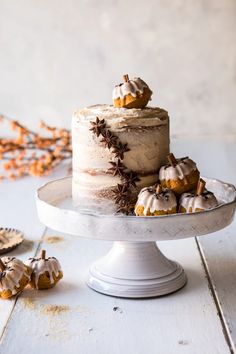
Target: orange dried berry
12 176
5 141
21 172
61 132
57 151
7 166
20 140
21 155
14 125
48 159
23 131
64 141
13 163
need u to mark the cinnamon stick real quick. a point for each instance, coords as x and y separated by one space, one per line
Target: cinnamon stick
171 159
126 78
43 254
200 187
186 180
158 189
2 265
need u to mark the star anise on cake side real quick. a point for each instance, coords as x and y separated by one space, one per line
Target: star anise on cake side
108 138
130 178
98 126
120 193
125 208
117 168
119 150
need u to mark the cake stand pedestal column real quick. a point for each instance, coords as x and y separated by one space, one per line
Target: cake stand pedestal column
135 270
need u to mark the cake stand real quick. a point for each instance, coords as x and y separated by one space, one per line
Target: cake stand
134 267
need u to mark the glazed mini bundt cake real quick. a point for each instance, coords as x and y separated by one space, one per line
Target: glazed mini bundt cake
14 276
154 201
45 272
133 93
197 201
179 175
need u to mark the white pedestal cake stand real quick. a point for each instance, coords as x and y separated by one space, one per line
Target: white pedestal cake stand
134 267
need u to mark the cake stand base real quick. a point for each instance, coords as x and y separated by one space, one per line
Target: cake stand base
135 270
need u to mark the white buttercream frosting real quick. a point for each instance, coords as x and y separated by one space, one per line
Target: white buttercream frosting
120 118
152 201
182 169
11 276
191 202
131 87
146 131
40 266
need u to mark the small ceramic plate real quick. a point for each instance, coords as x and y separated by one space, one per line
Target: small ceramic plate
10 239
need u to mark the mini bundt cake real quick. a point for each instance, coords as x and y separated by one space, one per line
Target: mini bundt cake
46 272
197 201
131 93
154 201
179 175
14 276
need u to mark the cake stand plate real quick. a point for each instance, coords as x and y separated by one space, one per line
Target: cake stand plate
134 267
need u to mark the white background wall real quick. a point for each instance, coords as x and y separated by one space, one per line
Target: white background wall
57 55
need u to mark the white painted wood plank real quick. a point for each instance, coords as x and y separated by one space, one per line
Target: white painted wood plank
219 251
18 210
220 258
184 322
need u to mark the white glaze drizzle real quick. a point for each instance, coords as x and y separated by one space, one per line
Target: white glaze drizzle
191 202
147 198
39 266
131 87
10 278
183 168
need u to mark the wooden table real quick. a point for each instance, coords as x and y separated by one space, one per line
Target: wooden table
71 318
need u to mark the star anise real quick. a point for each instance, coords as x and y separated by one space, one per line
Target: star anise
130 178
108 138
125 208
98 126
120 149
120 193
117 168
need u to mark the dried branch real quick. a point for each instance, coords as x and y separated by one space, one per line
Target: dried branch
30 153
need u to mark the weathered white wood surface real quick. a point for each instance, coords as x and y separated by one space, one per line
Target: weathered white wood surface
18 210
219 252
73 319
186 321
